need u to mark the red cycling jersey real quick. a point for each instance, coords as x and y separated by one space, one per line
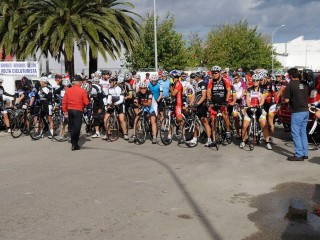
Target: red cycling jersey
179 88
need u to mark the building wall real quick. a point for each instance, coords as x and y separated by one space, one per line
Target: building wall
299 53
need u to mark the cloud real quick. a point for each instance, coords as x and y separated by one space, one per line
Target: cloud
299 16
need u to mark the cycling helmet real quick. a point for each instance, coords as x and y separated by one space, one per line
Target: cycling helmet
175 74
106 72
183 74
95 80
127 76
66 82
192 75
200 74
113 79
165 73
215 69
117 72
143 85
154 77
42 79
120 78
256 76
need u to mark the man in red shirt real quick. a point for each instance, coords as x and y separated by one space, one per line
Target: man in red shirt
176 91
73 102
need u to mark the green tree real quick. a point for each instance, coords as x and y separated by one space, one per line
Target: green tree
195 50
238 45
171 46
57 27
10 11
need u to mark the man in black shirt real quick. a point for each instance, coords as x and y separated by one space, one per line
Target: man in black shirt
296 94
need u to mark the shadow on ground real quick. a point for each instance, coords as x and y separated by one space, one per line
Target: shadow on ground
273 207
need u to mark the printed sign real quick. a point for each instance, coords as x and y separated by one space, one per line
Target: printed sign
20 68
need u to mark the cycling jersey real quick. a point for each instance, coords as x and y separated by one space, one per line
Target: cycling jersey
200 87
45 95
255 96
115 96
105 86
178 87
144 98
219 91
155 89
238 88
165 87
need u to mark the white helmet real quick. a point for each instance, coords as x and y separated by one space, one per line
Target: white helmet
215 69
66 82
154 77
44 79
127 76
143 85
120 78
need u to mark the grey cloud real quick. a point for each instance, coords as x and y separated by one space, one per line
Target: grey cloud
299 16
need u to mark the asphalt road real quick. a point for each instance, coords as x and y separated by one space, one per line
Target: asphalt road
124 191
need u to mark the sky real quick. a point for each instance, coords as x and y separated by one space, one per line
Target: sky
300 17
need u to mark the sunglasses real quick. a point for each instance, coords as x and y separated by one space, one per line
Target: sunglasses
215 73
256 80
236 78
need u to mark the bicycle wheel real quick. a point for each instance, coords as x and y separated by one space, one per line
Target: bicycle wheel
251 136
113 130
61 129
140 132
218 133
190 134
17 125
36 127
165 130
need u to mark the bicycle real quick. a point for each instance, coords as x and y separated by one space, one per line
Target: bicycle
254 132
61 132
21 122
143 125
38 124
313 133
220 128
10 113
191 124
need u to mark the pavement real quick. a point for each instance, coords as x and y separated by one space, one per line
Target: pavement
121 191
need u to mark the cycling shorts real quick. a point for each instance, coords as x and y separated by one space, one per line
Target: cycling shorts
261 115
272 109
213 111
47 110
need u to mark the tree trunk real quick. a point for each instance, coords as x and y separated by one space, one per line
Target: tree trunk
93 63
69 66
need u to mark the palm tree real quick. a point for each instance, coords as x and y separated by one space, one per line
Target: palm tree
59 26
10 11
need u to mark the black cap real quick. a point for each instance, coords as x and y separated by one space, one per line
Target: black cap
77 78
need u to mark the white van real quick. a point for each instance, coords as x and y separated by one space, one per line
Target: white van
11 83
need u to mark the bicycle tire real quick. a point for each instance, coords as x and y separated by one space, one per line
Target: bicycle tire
140 131
114 129
61 130
36 127
17 125
251 137
165 129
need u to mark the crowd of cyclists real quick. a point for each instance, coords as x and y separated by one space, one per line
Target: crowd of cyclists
166 98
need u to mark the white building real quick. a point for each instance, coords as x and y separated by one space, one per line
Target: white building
299 53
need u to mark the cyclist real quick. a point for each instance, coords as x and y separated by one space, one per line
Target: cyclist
240 90
145 99
104 81
115 99
156 90
96 97
2 105
127 90
255 97
176 91
218 92
165 84
46 97
200 105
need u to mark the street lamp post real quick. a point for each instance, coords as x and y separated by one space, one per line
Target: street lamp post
272 57
155 37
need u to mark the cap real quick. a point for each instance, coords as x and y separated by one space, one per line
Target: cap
77 78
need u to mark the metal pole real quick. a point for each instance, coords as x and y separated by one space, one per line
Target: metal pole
155 37
272 57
